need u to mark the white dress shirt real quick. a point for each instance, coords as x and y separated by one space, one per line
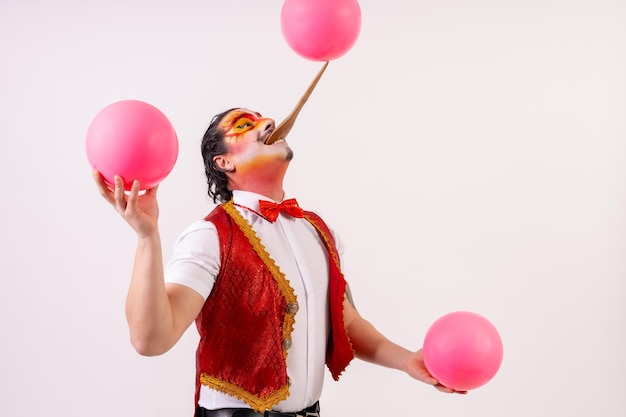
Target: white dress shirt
300 254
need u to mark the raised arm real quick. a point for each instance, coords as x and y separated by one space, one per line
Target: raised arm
157 314
372 346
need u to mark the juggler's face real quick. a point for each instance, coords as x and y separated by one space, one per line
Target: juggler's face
246 133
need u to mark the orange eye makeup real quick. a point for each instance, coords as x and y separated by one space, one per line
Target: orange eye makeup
239 122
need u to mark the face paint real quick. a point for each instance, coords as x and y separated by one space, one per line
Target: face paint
236 124
245 133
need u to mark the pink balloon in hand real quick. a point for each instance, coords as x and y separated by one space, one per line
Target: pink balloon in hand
134 140
463 350
321 30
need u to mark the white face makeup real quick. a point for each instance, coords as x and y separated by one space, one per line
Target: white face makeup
245 133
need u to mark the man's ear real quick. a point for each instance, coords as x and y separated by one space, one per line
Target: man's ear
223 164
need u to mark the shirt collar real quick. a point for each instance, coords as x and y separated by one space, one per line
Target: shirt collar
250 199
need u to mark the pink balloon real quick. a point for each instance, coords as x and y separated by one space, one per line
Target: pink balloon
463 350
134 140
321 30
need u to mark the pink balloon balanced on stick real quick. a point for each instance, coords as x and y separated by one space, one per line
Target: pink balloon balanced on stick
321 30
463 350
134 140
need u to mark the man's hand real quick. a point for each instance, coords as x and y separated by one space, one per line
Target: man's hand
417 369
141 212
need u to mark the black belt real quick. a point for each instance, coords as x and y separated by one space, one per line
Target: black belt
312 411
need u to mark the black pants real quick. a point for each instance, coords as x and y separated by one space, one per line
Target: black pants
312 411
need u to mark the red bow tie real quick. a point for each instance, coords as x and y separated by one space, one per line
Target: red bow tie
270 210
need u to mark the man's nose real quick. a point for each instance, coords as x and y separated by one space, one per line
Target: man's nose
267 124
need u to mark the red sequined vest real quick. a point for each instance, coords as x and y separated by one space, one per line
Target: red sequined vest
249 316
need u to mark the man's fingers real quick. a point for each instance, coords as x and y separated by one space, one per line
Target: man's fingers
103 187
444 389
133 195
120 197
448 390
153 190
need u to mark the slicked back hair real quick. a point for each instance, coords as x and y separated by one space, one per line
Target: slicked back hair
213 144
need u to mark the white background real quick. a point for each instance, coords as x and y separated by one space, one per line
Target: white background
470 153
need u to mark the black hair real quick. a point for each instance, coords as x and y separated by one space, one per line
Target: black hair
213 144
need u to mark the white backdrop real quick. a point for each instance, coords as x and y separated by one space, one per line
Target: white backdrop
470 154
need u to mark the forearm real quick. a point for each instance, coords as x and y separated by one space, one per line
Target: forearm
372 346
148 310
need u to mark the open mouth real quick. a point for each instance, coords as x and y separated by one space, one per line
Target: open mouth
271 138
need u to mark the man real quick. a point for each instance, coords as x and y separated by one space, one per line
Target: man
262 282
